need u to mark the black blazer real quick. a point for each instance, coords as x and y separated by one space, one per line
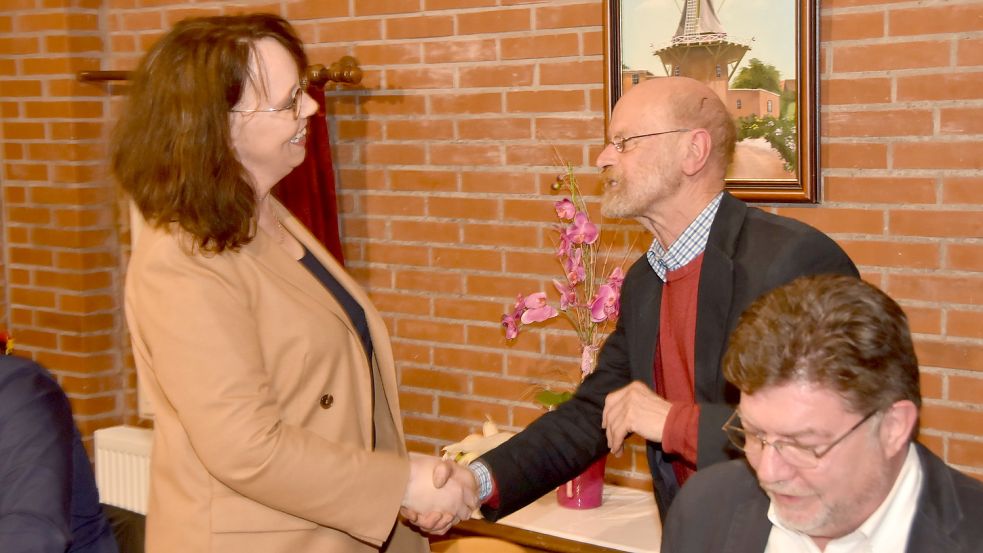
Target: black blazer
723 510
749 252
48 497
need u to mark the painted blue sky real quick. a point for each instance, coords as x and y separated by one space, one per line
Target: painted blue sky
771 23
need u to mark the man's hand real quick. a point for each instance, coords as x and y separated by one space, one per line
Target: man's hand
634 408
435 508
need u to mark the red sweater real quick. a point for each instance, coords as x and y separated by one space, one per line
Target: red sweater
674 365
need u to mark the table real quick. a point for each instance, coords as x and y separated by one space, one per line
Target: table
628 520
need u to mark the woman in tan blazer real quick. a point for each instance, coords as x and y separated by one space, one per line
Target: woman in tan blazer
270 373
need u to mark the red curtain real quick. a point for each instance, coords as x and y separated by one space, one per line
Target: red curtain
308 191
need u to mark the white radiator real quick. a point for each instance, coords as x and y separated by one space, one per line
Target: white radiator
123 466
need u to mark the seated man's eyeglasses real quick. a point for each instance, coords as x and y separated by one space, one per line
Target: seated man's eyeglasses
295 105
619 142
797 455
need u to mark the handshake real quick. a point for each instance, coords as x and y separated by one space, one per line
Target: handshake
442 493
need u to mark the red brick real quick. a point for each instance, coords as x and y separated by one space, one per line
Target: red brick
87 406
420 129
397 104
501 388
931 385
423 77
397 254
455 4
968 324
414 402
496 182
929 20
946 87
426 180
63 21
502 286
395 154
543 154
419 27
399 303
429 281
950 355
501 76
965 389
496 21
545 101
569 128
937 155
33 298
540 46
512 128
29 256
313 9
925 320
854 156
27 172
852 26
951 419
15 46
463 208
465 154
965 452
469 409
500 235
434 380
894 254
969 51
449 51
20 87
937 288
835 220
29 215
888 190
446 431
485 102
964 257
467 259
570 72
570 15
851 90
961 121
895 55
936 223
908 122
425 231
392 204
74 43
386 54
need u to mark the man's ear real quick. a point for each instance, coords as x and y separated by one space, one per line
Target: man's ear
698 149
898 425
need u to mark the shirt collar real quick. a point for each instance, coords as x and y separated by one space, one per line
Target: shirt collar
688 246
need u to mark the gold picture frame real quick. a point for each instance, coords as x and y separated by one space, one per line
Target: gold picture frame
777 159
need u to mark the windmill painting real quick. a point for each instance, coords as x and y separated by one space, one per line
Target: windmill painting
749 53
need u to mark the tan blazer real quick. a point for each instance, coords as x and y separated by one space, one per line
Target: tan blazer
272 432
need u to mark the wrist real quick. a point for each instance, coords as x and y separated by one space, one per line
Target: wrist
483 478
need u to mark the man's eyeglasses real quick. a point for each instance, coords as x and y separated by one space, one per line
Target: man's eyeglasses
295 105
797 455
619 143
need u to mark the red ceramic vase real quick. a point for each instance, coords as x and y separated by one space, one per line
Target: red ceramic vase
584 491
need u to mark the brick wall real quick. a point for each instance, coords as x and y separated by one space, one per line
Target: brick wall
444 159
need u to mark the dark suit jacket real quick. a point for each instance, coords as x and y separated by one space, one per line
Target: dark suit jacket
749 252
48 497
723 510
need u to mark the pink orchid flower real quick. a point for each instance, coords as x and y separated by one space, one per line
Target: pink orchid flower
511 321
605 304
574 266
565 209
587 359
564 245
568 294
537 310
617 278
581 230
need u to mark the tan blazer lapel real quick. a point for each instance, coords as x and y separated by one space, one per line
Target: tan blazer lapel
377 326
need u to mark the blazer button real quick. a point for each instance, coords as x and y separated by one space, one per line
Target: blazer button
326 401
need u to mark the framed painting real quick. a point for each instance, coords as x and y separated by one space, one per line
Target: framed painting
759 56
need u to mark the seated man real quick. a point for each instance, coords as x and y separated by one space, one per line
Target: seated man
48 497
828 410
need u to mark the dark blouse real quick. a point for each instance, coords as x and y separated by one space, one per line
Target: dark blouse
355 312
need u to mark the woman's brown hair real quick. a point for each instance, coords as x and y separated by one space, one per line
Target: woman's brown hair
172 147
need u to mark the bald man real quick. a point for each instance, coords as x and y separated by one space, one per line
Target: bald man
658 374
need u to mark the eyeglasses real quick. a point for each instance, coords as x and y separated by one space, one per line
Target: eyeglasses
619 143
295 105
797 455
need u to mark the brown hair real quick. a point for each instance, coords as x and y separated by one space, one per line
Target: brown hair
172 147
835 331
